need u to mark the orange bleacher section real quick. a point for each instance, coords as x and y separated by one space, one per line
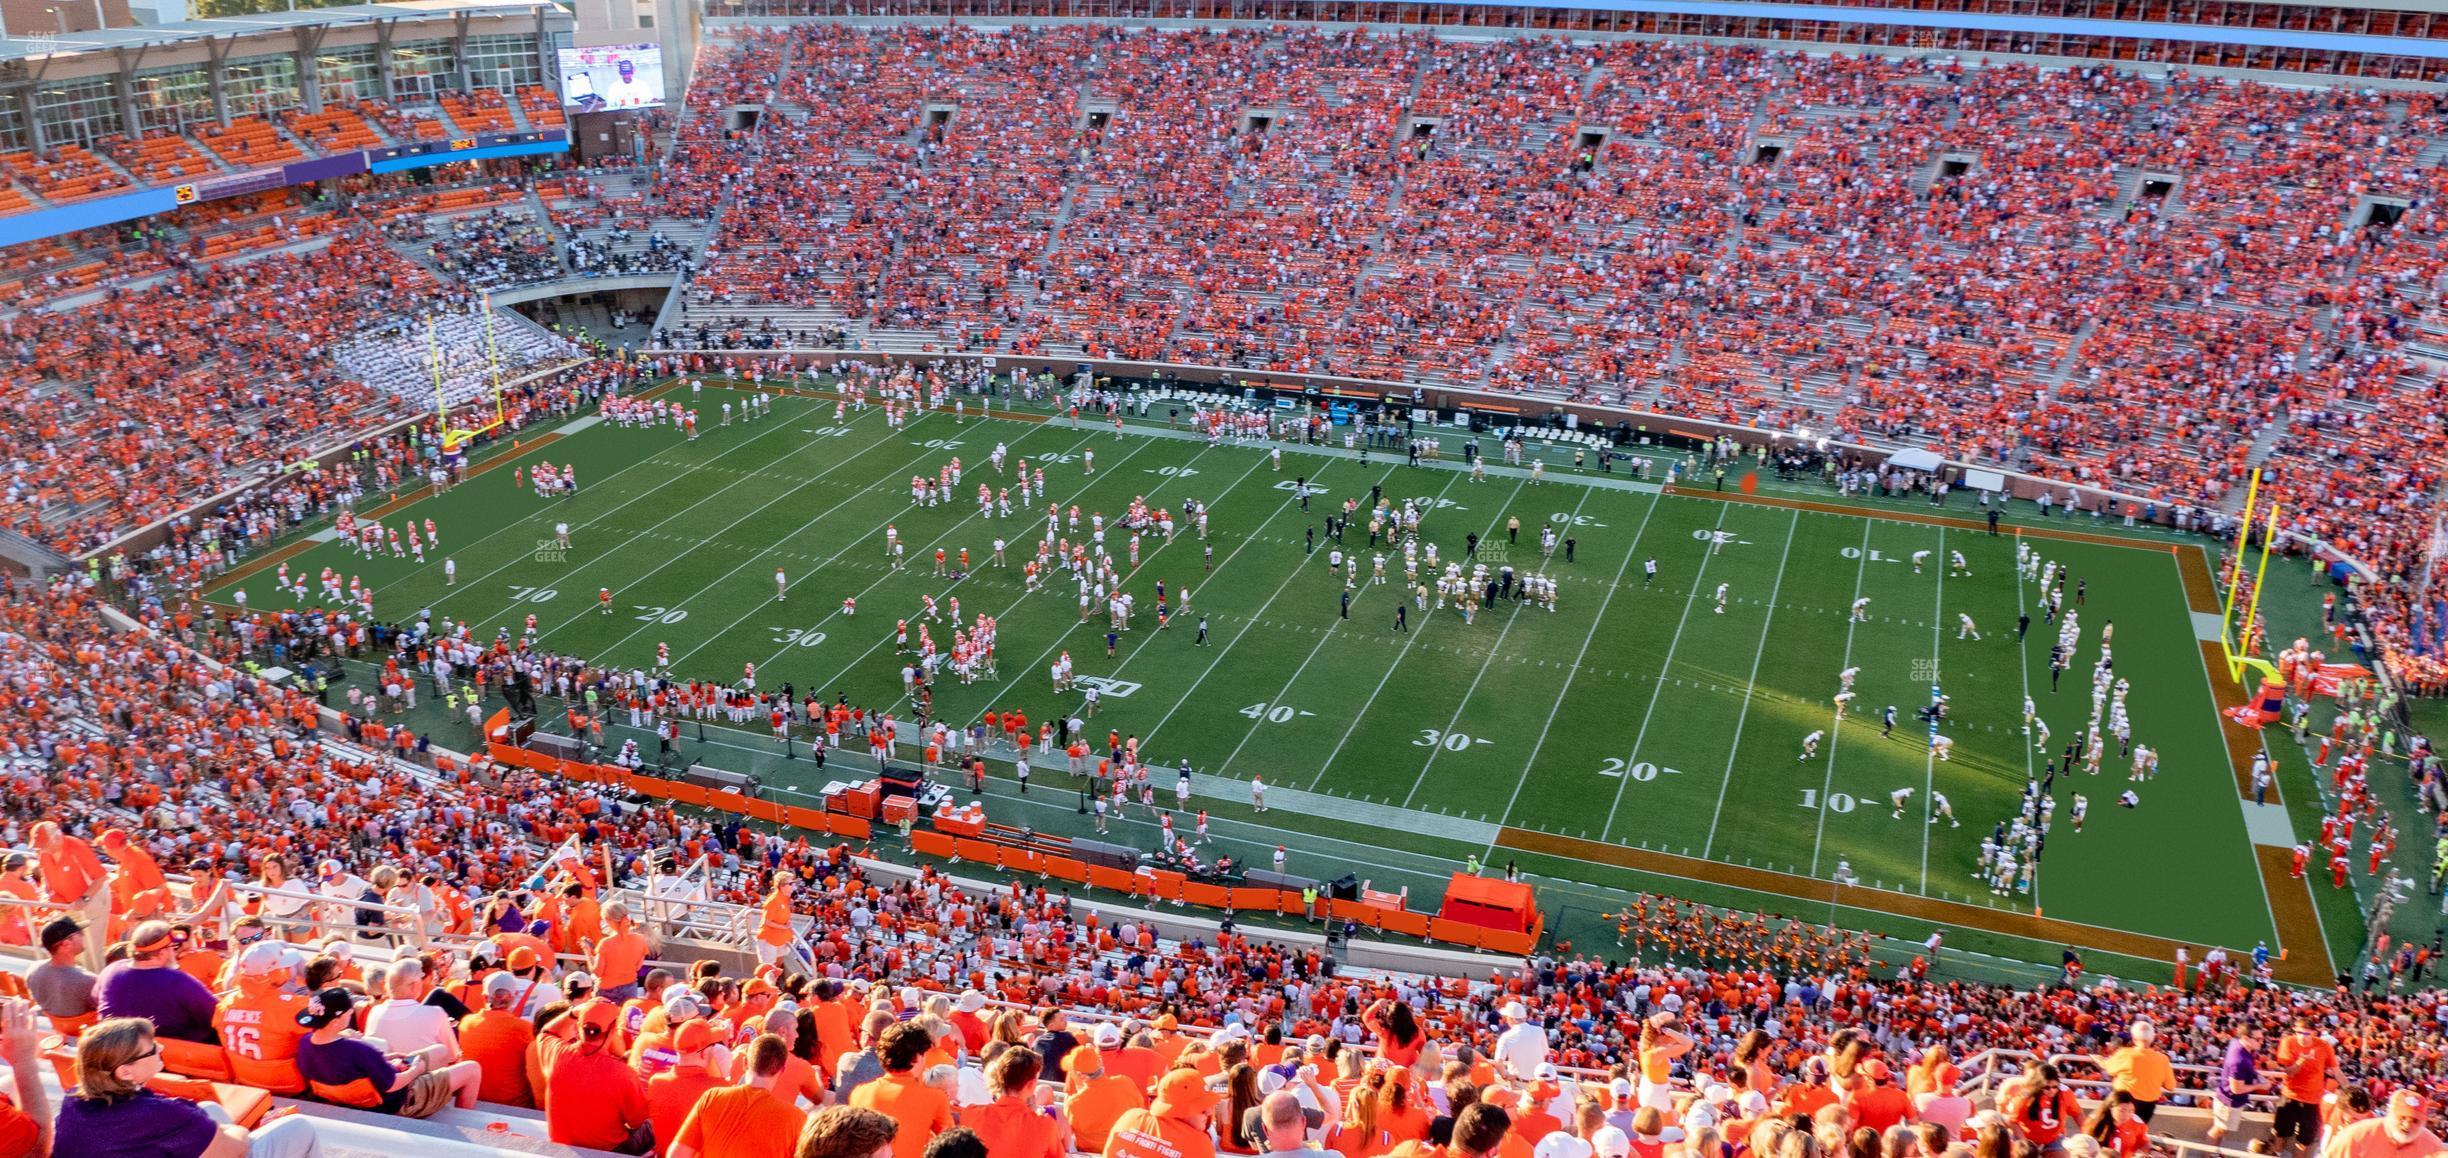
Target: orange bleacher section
248 143
69 172
160 158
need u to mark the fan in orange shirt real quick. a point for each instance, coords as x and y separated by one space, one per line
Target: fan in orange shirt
745 1121
1175 1126
918 1110
1010 1126
1094 1099
674 1093
258 1024
496 1038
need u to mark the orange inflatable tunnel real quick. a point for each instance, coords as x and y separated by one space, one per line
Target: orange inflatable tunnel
1503 906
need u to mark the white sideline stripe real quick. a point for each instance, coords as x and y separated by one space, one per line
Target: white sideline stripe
1319 804
587 423
325 535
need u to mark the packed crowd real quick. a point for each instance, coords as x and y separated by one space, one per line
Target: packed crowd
2033 305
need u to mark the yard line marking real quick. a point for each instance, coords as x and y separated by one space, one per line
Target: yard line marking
1511 619
598 520
1929 763
1633 548
1206 578
1246 624
1412 638
1827 783
1758 652
1699 575
765 607
1323 636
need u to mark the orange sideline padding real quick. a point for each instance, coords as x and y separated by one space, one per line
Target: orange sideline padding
852 827
1250 898
1204 896
934 844
1067 868
981 852
1100 877
1457 932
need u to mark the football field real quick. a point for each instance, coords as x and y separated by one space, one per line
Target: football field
1638 735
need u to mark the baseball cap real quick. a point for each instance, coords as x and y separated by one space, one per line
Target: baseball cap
1611 1142
1084 1059
694 1036
597 1016
1876 1070
1108 1035
1513 1011
971 1001
500 983
59 929
326 1007
577 981
1620 1087
1752 1103
263 957
1719 1091
1183 1092
1558 1144
522 958
757 986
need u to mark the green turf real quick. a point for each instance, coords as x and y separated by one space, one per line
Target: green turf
1635 714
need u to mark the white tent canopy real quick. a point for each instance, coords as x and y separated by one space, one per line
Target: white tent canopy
1914 460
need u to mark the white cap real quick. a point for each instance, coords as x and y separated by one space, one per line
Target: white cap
1513 1011
1611 1142
263 957
1620 1087
1753 1103
1717 1092
1108 1035
578 981
1558 1144
971 1001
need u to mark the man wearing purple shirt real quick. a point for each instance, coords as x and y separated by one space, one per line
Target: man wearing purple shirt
2238 1080
150 985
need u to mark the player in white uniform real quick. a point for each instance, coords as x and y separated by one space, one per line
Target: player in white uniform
781 585
1810 746
1964 628
1898 799
1944 746
1918 558
1940 806
1722 588
1861 610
